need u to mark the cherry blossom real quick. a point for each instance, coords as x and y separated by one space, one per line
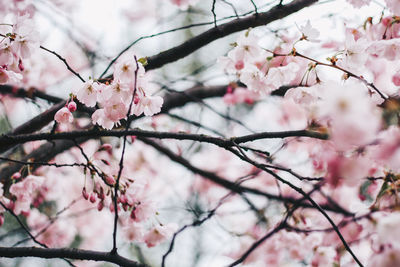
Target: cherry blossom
6 53
115 111
149 105
99 117
247 47
309 33
64 115
255 80
158 234
24 192
353 117
355 54
282 75
125 69
87 94
9 76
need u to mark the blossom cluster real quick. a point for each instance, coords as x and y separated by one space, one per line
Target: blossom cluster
126 95
19 41
358 112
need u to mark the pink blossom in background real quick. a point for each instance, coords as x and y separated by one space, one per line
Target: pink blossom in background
158 234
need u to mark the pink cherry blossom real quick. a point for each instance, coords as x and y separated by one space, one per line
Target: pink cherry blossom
133 231
355 55
64 115
27 38
87 94
247 47
388 150
149 105
159 233
115 111
282 75
255 80
6 54
354 119
323 256
7 76
57 234
309 33
99 117
24 192
125 69
241 95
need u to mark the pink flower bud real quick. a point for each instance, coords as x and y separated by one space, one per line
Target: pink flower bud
123 199
85 194
110 180
136 100
11 205
101 194
21 65
106 147
239 65
133 214
100 206
25 213
93 198
72 106
16 176
112 206
249 101
396 79
106 162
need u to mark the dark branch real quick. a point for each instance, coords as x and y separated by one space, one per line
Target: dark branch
69 253
219 141
193 44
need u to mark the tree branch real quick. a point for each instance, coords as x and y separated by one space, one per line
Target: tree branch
193 44
219 141
69 253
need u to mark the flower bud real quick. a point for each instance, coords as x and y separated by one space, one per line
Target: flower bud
72 106
93 198
110 180
85 194
100 206
16 176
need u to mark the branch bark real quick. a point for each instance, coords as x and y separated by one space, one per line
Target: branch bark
69 253
255 20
